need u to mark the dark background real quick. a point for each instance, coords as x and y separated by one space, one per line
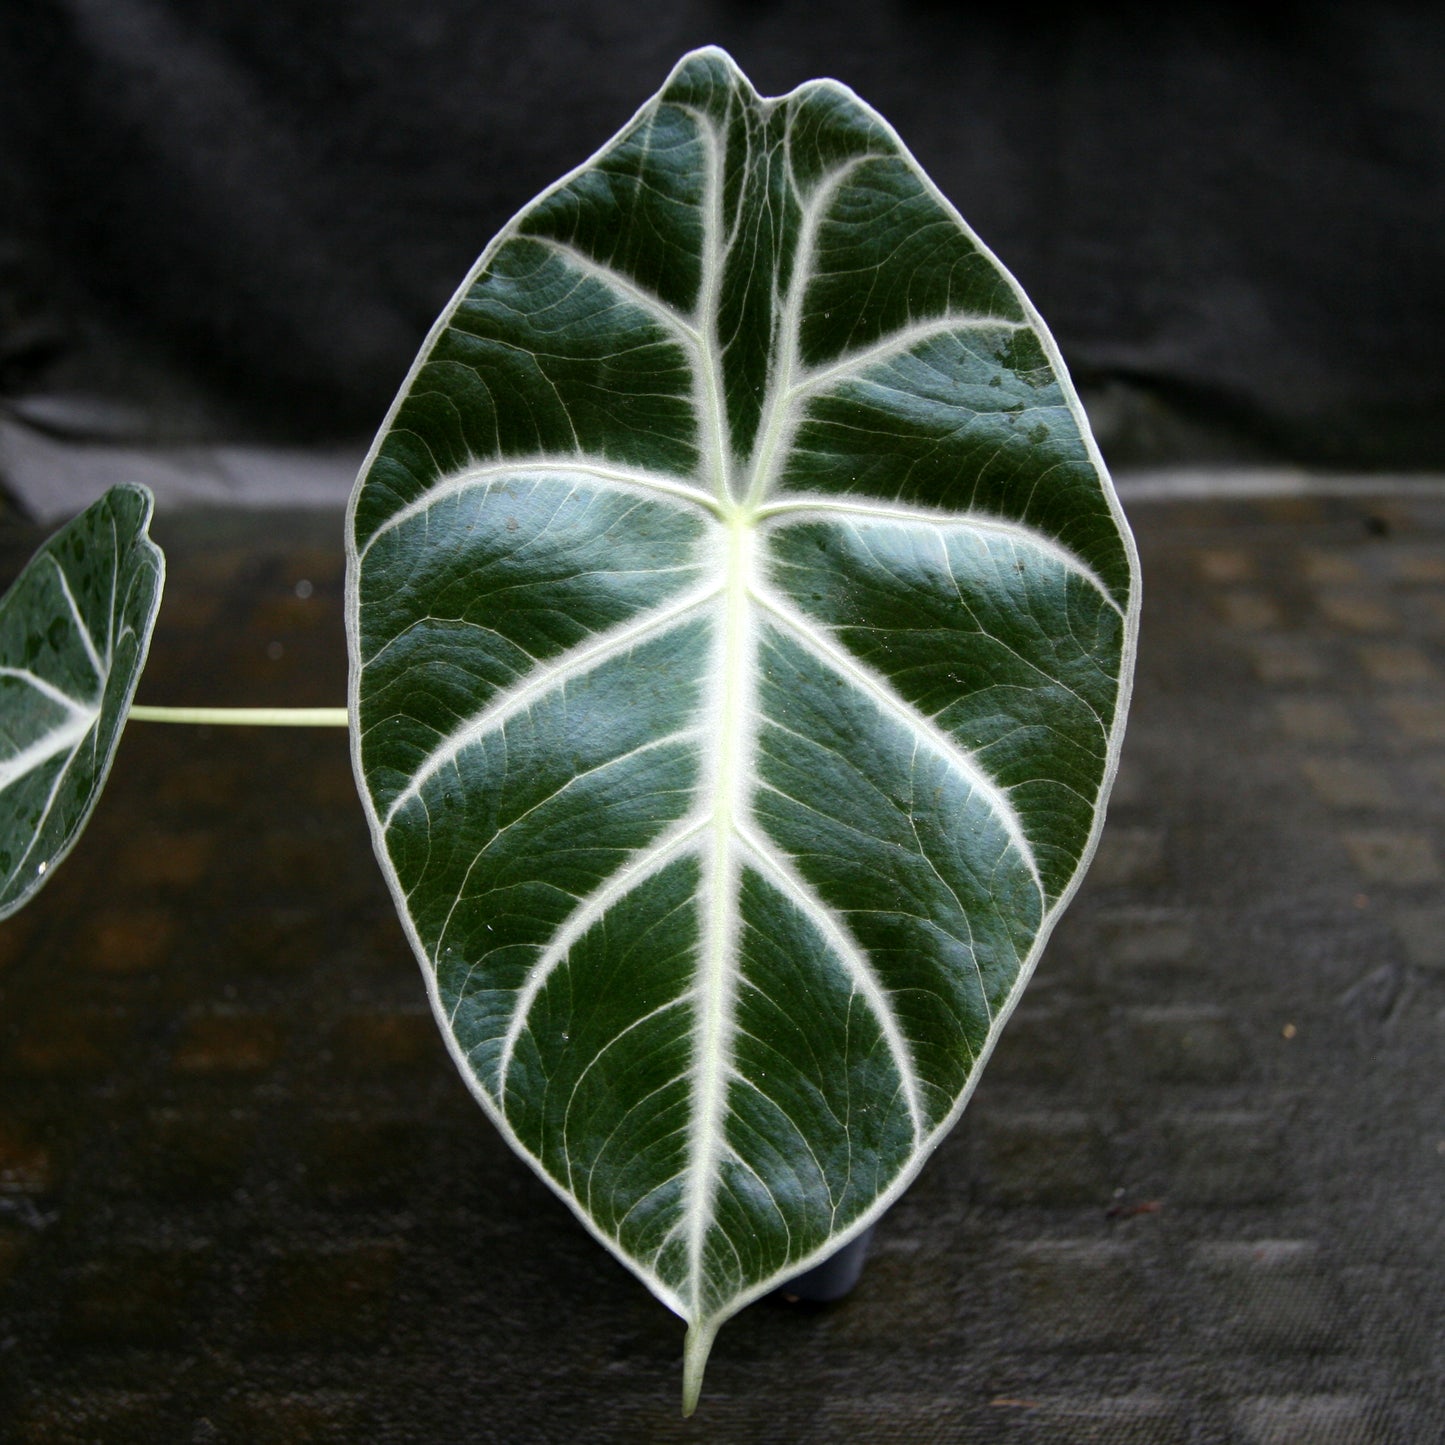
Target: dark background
1196 1201
228 222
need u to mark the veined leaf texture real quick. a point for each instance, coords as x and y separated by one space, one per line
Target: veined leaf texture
742 624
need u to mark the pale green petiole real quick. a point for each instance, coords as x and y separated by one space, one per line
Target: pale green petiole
263 717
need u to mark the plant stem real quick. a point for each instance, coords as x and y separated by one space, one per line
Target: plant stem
264 717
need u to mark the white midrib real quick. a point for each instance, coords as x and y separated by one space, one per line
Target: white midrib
717 984
732 710
778 420
709 400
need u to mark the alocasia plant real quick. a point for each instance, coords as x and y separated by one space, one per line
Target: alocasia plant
741 626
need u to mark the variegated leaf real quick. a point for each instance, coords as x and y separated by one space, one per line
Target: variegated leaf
741 624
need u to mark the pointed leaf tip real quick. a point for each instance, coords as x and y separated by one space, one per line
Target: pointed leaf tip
695 1351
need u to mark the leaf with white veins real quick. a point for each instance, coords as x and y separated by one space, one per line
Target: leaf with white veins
74 631
741 627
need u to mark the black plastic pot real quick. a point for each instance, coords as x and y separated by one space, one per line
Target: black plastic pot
835 1278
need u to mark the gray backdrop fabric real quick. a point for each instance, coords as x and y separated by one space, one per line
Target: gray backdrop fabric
227 222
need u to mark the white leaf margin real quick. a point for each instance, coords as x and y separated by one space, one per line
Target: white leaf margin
702 1332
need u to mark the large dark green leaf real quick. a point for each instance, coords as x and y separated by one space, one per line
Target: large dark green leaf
741 625
74 632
